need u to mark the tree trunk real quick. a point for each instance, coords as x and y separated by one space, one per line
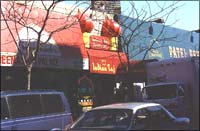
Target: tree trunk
128 60
29 69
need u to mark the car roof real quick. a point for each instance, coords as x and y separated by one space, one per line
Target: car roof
129 105
25 92
164 83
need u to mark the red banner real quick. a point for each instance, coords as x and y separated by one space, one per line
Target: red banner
103 66
105 62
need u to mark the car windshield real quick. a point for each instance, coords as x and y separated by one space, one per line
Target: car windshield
106 119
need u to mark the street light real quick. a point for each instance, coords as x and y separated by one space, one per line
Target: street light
197 31
158 20
191 34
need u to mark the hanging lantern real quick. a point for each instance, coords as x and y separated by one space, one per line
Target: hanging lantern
116 29
105 28
86 25
110 28
80 16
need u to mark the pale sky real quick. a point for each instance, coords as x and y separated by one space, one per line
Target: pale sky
186 16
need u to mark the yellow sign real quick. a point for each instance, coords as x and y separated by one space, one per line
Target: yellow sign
86 102
113 42
86 39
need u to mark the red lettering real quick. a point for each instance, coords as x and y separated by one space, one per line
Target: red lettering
7 59
3 59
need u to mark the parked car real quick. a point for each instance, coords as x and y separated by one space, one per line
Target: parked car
129 116
34 110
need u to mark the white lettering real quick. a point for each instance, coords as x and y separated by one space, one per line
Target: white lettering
176 52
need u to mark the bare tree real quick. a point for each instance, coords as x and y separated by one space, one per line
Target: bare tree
19 14
137 26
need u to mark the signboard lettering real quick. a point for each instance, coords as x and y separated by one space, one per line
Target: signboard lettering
176 52
99 42
7 60
155 53
103 66
193 52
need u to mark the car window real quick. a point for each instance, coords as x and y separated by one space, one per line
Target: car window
4 109
140 118
25 105
52 103
149 117
106 118
160 92
157 114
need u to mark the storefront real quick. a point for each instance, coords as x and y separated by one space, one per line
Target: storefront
76 61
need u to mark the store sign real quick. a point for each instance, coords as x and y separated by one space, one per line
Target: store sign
99 42
85 91
12 59
49 61
193 52
177 52
103 66
7 58
155 53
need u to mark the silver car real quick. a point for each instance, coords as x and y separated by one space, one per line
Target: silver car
129 116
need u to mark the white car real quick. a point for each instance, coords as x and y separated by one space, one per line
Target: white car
129 116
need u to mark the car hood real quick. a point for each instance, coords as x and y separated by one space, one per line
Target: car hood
89 130
95 129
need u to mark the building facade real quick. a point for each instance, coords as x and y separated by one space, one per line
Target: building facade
83 61
80 60
158 41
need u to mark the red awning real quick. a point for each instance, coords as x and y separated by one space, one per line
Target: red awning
64 44
71 36
65 49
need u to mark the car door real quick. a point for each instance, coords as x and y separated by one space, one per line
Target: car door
159 119
56 117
